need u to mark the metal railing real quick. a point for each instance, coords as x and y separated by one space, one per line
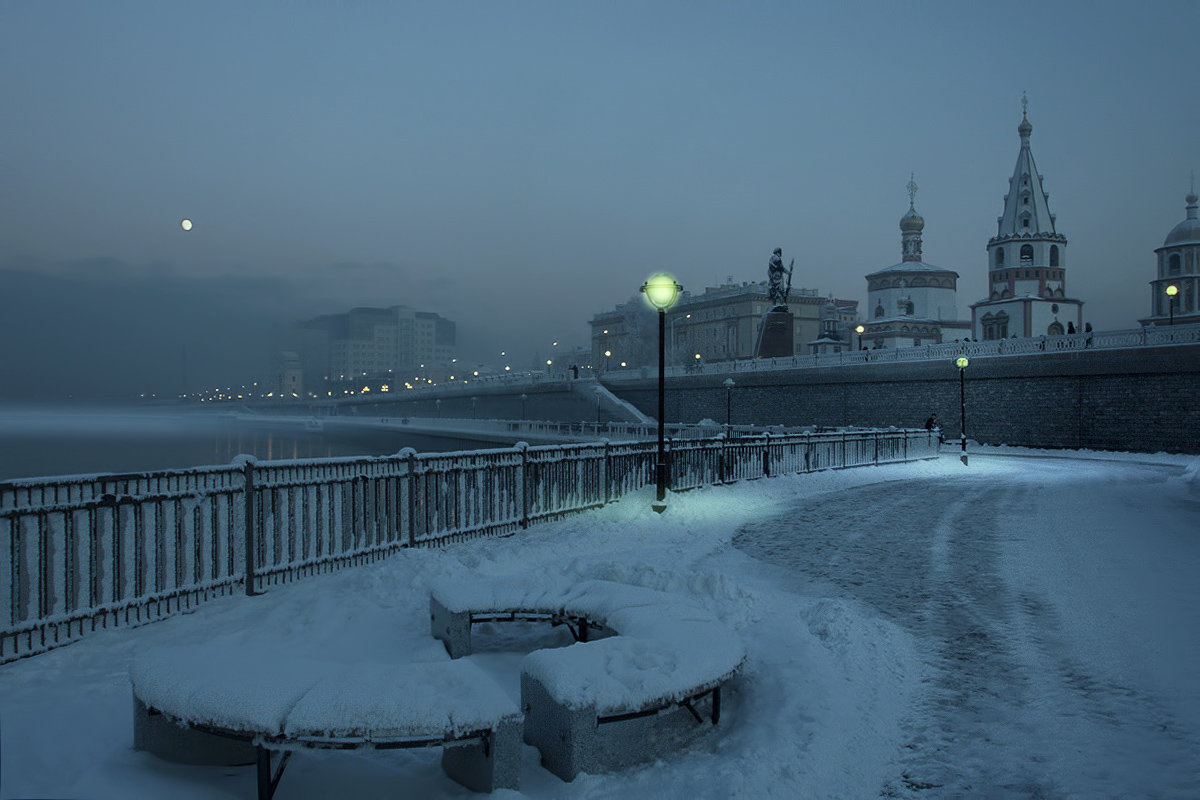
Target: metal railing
82 553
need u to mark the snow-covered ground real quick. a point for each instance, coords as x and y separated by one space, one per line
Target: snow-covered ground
1021 627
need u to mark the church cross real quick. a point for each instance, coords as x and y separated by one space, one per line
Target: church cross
912 189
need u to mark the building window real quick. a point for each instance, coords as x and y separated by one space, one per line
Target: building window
999 256
1026 255
879 311
1173 269
1054 255
1055 329
995 326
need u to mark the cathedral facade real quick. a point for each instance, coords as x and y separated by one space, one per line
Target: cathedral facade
1178 267
911 303
1027 262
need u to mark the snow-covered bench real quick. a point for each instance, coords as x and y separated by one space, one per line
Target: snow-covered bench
610 702
198 706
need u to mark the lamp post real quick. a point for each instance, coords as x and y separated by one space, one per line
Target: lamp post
524 397
1172 291
860 330
661 291
961 362
728 384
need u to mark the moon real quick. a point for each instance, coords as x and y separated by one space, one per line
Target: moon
186 224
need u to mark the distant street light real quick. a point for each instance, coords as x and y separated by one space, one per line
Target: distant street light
1172 291
961 362
661 291
860 330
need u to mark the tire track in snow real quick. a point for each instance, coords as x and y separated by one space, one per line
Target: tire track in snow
1008 709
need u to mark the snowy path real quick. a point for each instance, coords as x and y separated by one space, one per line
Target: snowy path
1054 657
1025 627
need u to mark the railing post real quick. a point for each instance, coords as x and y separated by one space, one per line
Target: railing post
248 489
721 455
523 448
410 455
605 471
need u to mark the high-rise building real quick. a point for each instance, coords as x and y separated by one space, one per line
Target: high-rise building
376 342
1027 261
1178 266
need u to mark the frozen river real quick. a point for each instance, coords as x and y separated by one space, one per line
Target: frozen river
1057 612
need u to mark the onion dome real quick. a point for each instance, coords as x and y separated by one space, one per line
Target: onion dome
912 222
1189 229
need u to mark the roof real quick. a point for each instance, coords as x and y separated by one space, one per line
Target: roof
913 266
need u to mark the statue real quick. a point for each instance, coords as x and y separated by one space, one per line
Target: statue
777 291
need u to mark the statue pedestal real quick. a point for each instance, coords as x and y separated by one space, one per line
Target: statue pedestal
775 334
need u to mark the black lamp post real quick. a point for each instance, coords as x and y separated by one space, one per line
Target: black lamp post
1172 293
728 384
661 291
961 362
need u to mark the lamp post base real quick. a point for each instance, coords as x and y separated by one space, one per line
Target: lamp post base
659 506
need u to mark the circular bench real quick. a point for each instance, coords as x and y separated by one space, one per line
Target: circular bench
602 704
204 706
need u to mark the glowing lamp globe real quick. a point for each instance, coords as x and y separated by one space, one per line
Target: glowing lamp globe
661 290
186 224
961 362
1172 290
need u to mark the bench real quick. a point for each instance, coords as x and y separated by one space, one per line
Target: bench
628 697
199 706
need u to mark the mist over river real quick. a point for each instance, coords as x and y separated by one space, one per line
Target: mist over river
72 440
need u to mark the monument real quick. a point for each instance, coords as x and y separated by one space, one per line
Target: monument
775 330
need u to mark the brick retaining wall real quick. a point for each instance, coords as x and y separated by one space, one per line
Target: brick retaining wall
1142 399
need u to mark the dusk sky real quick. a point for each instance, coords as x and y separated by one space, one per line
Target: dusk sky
518 167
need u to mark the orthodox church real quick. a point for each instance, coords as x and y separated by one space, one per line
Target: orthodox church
1178 266
912 303
1027 261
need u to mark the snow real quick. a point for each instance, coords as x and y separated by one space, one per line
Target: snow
1020 627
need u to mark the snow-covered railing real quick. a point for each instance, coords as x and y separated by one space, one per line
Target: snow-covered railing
81 553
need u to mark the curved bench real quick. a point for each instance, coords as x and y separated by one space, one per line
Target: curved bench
200 707
609 703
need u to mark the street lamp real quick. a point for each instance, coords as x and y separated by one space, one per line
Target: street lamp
961 362
860 330
661 291
524 397
1172 291
728 384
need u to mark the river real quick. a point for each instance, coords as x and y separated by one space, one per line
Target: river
68 441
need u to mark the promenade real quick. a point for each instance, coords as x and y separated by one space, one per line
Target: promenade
1018 627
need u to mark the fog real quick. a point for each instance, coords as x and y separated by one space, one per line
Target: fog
518 169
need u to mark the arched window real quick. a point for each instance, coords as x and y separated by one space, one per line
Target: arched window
1055 329
1174 264
999 256
1026 254
1054 255
879 311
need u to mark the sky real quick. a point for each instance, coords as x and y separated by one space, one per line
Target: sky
520 167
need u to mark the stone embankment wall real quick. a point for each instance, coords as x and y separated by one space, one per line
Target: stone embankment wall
1144 399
